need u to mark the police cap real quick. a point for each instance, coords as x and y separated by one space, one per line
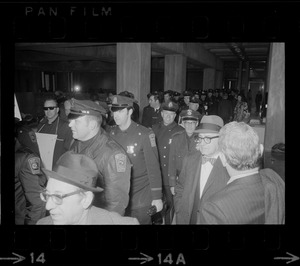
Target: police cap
85 107
120 102
194 99
203 93
189 115
170 106
168 92
187 93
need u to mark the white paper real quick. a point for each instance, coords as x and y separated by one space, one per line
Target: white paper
46 143
17 110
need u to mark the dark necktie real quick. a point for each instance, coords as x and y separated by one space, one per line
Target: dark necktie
208 159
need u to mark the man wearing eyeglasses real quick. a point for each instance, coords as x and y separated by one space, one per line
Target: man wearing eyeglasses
54 125
70 192
202 172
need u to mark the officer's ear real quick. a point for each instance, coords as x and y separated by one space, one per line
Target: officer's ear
92 124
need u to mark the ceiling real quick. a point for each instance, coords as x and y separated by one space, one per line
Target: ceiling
102 56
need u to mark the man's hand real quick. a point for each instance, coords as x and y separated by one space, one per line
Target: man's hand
158 203
172 190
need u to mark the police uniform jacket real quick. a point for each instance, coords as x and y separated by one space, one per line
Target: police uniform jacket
29 182
98 216
187 194
64 135
114 169
151 117
181 145
163 136
139 143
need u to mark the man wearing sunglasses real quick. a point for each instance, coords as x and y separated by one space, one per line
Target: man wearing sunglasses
54 125
70 192
202 172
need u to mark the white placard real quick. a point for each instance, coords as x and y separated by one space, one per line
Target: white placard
17 110
46 143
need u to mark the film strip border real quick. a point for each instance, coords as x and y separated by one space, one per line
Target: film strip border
156 246
213 21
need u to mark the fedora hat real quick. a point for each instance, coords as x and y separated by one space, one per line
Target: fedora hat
210 124
75 169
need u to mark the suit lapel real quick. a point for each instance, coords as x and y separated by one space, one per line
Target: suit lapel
195 172
216 172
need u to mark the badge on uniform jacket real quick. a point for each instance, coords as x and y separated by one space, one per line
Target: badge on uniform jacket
152 140
35 165
130 149
120 162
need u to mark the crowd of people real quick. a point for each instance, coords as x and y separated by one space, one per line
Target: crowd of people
190 158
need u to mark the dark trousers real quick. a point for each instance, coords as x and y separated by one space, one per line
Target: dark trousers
169 211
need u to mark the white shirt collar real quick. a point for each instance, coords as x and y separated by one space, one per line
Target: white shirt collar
245 173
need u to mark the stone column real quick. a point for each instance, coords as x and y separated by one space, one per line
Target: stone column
175 73
245 79
275 120
240 75
133 70
219 79
209 78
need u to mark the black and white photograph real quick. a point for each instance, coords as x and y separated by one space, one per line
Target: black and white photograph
175 133
149 132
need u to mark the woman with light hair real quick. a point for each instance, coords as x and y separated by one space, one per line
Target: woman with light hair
252 196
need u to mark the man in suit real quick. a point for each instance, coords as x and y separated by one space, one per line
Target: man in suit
70 192
251 196
202 172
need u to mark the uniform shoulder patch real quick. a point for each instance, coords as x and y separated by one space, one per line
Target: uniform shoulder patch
152 139
120 162
35 165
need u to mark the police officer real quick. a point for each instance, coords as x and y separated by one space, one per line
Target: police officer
112 161
167 96
182 143
176 96
184 105
136 107
29 179
212 103
203 103
163 132
139 143
151 113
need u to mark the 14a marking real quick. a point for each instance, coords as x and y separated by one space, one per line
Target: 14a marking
168 259
40 258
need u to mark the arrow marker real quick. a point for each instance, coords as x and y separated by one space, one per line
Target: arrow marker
145 259
292 258
18 259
